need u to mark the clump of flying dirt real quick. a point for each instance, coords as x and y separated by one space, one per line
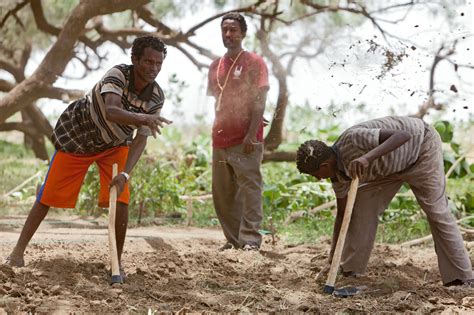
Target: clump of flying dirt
392 58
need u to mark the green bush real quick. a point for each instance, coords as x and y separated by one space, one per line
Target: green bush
179 164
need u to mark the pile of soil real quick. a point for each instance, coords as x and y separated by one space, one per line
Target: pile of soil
180 270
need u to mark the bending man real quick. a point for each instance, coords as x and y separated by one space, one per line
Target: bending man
385 153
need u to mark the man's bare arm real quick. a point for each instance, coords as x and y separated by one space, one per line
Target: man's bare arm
255 121
116 113
134 153
389 140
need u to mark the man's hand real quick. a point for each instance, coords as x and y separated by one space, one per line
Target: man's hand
155 122
249 144
358 167
119 182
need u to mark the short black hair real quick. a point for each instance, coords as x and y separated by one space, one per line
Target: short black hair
140 43
237 17
311 154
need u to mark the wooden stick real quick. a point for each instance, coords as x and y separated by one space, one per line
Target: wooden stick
417 241
336 259
201 197
189 214
298 214
427 238
189 206
272 229
114 264
456 163
4 196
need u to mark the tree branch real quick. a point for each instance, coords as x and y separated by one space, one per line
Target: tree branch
274 136
298 52
430 103
198 64
279 156
362 10
41 123
43 25
117 36
203 51
400 5
64 95
17 70
250 8
40 19
299 214
18 126
6 86
13 12
60 53
14 70
51 92
146 15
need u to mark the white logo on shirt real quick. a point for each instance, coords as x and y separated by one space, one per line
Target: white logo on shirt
237 72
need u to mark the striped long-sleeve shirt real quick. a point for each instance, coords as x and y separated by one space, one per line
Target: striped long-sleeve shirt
364 137
83 128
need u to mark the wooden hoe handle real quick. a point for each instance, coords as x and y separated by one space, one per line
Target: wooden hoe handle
336 258
114 264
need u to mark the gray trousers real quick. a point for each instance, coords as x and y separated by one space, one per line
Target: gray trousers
426 178
237 193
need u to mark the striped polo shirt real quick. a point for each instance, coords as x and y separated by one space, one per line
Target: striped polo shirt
363 137
82 128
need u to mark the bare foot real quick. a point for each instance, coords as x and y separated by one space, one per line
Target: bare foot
14 261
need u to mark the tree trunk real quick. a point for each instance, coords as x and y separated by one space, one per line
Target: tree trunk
40 121
275 136
279 156
38 146
34 141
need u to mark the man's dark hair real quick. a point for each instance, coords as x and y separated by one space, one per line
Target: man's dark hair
140 43
237 17
311 154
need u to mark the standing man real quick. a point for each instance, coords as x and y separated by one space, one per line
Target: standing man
385 153
99 128
239 83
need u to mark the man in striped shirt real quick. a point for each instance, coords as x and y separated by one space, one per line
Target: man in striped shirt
385 153
99 128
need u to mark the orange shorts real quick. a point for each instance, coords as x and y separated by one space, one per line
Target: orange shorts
67 171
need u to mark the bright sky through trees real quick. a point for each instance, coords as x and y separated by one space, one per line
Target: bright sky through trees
350 70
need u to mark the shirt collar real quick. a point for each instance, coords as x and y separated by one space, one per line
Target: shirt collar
341 172
146 93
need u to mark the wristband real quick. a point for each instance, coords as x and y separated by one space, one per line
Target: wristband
127 177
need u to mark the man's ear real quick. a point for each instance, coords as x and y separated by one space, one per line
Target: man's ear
134 60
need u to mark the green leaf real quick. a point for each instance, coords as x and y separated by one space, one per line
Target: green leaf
445 130
455 146
440 127
448 158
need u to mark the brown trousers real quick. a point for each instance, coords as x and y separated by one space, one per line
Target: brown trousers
237 193
426 178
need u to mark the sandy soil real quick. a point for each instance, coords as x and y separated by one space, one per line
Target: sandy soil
180 270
